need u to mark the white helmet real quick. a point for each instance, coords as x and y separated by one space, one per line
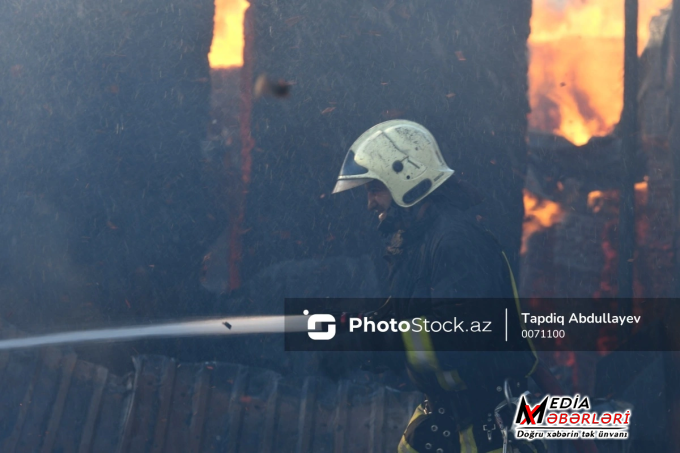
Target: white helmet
401 154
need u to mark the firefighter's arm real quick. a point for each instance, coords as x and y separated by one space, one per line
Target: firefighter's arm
451 276
456 269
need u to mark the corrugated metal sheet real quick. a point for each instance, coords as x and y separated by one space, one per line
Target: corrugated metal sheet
52 402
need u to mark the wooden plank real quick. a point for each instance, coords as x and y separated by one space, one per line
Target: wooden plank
323 415
399 407
254 409
287 414
11 442
68 363
93 411
216 436
42 401
377 421
359 420
167 384
235 409
177 439
152 369
4 360
306 419
128 428
341 417
115 403
199 404
13 385
269 431
73 417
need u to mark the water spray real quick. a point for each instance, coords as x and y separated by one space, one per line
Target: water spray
207 327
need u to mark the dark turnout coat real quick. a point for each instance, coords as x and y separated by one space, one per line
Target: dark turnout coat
447 254
446 265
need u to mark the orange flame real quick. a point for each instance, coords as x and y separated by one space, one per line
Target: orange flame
597 198
642 191
227 45
576 69
539 214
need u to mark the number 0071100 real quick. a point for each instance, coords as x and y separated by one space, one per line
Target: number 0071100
536 333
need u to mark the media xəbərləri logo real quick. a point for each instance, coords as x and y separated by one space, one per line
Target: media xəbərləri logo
316 321
566 417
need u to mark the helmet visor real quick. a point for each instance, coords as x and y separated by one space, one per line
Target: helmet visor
346 184
350 167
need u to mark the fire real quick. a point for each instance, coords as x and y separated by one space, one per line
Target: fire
227 45
642 192
576 69
597 198
539 214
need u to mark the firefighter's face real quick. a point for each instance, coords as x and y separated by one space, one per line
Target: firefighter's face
379 198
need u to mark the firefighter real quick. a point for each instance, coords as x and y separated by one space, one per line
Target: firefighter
440 260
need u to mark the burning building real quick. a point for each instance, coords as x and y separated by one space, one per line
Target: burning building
571 240
575 184
144 178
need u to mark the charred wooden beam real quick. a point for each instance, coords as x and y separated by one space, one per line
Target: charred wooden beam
673 359
629 149
674 136
597 165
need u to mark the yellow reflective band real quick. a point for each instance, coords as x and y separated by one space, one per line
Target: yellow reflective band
404 447
467 441
419 351
408 344
421 355
454 380
419 412
442 382
519 313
